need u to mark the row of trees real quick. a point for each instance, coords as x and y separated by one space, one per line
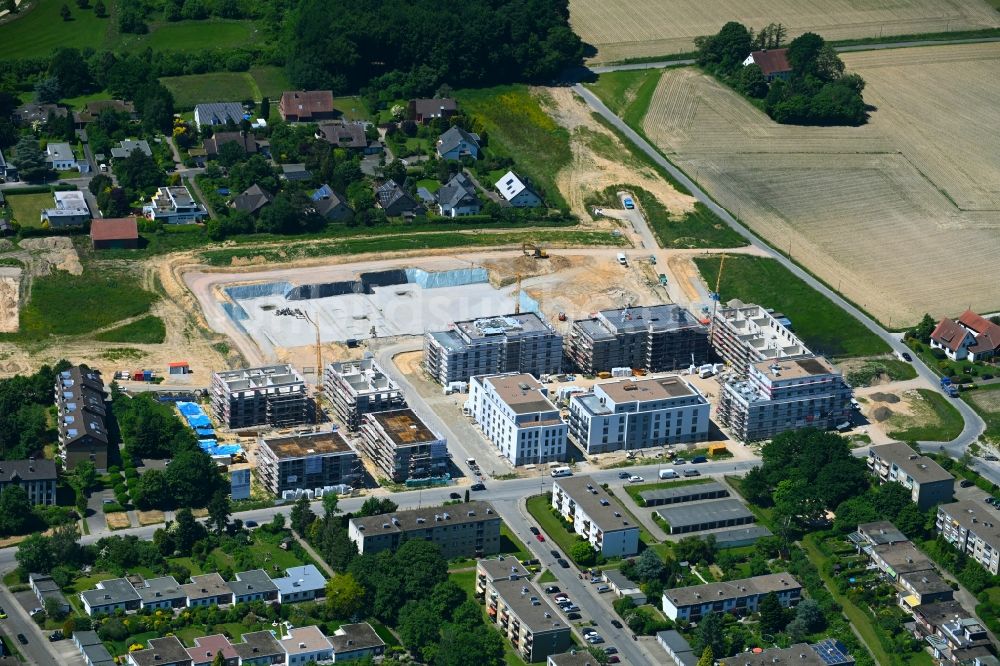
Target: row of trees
818 91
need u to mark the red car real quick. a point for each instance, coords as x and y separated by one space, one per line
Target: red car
614 659
540 537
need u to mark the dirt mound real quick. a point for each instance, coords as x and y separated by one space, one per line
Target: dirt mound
53 252
881 414
890 398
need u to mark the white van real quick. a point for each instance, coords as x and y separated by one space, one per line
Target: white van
622 259
669 474
562 471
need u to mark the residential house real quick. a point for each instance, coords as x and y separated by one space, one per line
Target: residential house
59 156
306 644
174 205
206 647
307 106
46 589
8 171
295 172
70 210
490 570
92 649
300 584
306 461
110 595
740 597
825 653
426 110
516 192
218 113
163 593
638 414
120 233
457 197
595 515
623 586
969 337
456 143
471 529
351 136
253 586
522 342
128 146
356 641
401 445
396 201
36 477
26 114
168 651
927 481
208 590
259 648
515 414
773 63
331 205
252 200
92 110
79 397
248 142
954 635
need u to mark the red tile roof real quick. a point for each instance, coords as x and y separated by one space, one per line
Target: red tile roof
304 104
987 333
123 228
772 61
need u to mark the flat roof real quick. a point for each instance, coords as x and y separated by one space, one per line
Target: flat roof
686 490
742 533
620 580
579 658
521 392
305 639
698 513
925 582
733 589
977 517
206 586
918 467
502 567
802 654
351 637
881 532
296 579
168 650
257 644
661 317
263 376
403 427
300 446
658 388
510 325
903 557
425 518
530 605
111 591
160 589
795 368
253 581
602 509
206 647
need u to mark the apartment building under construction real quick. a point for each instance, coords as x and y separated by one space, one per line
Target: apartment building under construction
402 446
359 387
744 334
274 395
658 338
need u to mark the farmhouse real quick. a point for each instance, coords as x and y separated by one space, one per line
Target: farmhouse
772 62
218 113
70 210
114 233
516 192
331 205
252 200
426 110
306 106
969 337
456 143
457 198
395 201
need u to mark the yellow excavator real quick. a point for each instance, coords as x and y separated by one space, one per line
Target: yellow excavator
532 250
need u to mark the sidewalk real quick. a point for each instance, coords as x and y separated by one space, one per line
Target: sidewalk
313 554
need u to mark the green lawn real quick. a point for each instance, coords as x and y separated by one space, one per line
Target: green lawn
465 580
546 577
699 228
352 108
148 330
986 401
259 82
823 326
38 31
432 184
939 420
511 545
27 208
627 93
196 35
555 531
64 304
518 127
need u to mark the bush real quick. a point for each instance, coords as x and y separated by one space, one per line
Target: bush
938 354
112 508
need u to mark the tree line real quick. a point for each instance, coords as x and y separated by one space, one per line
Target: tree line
817 92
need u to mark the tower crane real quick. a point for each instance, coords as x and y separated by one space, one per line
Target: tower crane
715 299
517 295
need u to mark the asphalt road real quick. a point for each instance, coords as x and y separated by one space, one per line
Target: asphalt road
38 650
974 425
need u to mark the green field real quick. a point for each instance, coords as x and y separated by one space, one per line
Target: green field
64 304
352 108
39 30
824 327
27 208
986 401
195 35
699 228
627 93
148 330
518 128
935 420
228 86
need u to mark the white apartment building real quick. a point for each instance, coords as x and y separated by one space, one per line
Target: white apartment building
739 597
785 394
595 515
638 414
515 413
974 529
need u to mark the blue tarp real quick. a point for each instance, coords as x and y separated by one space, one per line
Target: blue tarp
207 442
205 432
199 422
227 450
190 409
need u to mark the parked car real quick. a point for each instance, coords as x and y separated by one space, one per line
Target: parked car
614 659
907 357
56 636
965 483
698 460
552 589
601 589
595 639
623 475
991 458
35 611
454 496
22 639
572 616
629 204
692 472
616 624
540 537
555 554
475 487
680 461
635 478
533 529
611 649
586 631
563 563
250 524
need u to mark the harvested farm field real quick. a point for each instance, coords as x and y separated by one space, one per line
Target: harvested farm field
901 215
622 29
